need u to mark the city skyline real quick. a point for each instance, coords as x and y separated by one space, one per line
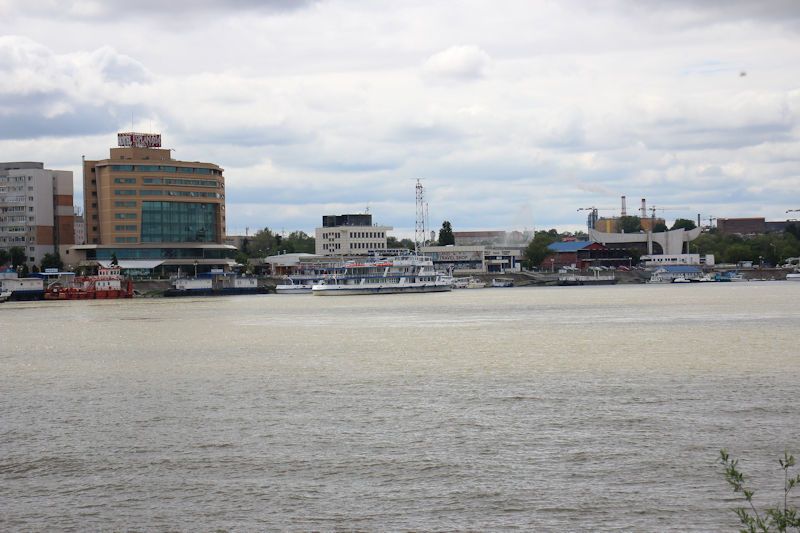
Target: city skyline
512 117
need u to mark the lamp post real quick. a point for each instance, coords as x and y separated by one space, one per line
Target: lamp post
195 268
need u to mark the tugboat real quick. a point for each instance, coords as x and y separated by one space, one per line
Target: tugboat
107 284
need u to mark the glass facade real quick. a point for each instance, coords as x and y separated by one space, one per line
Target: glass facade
178 222
104 254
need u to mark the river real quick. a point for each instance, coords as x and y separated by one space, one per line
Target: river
548 409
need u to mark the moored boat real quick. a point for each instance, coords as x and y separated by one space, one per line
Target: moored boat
214 284
106 285
393 275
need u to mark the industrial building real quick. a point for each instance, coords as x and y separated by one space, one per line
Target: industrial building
582 255
352 234
36 210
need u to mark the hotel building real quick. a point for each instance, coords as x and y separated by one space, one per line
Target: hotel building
140 204
36 210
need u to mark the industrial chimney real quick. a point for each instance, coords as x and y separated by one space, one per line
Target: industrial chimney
644 208
624 211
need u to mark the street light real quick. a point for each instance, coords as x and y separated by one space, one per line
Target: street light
195 268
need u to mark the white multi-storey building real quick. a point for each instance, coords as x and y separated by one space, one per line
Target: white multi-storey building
36 210
350 235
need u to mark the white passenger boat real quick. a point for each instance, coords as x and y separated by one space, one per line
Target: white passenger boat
391 275
794 276
294 285
5 295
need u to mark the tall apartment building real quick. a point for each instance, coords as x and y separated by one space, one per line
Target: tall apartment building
141 204
36 210
349 235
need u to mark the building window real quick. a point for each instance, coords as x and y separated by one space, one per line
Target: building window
178 222
125 239
120 203
125 227
124 180
124 215
123 192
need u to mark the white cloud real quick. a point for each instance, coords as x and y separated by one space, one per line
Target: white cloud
337 104
457 63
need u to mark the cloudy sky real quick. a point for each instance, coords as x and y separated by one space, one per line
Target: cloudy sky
513 113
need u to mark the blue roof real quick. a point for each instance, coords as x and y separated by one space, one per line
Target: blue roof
680 269
566 247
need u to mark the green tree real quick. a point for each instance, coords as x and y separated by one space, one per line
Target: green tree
630 224
660 227
17 256
738 252
446 234
537 249
778 518
300 242
52 261
5 257
793 228
262 243
684 223
392 242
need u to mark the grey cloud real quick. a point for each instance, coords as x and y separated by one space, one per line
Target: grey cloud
114 9
83 120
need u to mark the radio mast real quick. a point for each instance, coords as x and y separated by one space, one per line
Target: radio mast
419 230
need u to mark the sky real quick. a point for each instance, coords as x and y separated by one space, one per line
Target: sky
514 114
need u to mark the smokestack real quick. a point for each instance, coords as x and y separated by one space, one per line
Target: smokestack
698 220
624 211
644 208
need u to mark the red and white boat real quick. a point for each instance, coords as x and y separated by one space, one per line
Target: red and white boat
107 284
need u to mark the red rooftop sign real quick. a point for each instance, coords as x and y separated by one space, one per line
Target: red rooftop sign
139 140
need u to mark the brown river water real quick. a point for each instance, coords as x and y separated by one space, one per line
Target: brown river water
547 409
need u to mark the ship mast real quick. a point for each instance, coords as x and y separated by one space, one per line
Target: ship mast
419 230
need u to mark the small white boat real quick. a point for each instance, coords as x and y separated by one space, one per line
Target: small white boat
502 282
473 283
681 279
5 295
794 276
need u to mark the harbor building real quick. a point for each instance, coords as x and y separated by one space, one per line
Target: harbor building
140 204
352 234
36 210
479 259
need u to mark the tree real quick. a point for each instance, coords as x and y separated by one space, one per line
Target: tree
774 518
630 224
52 261
793 228
684 223
660 227
17 256
392 242
537 249
446 234
5 257
262 243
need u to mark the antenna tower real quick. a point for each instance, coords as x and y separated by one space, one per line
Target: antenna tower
419 229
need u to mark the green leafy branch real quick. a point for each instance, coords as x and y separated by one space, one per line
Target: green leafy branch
772 519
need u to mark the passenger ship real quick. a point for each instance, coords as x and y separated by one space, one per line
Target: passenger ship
391 275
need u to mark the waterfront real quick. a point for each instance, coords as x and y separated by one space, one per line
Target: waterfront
588 408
